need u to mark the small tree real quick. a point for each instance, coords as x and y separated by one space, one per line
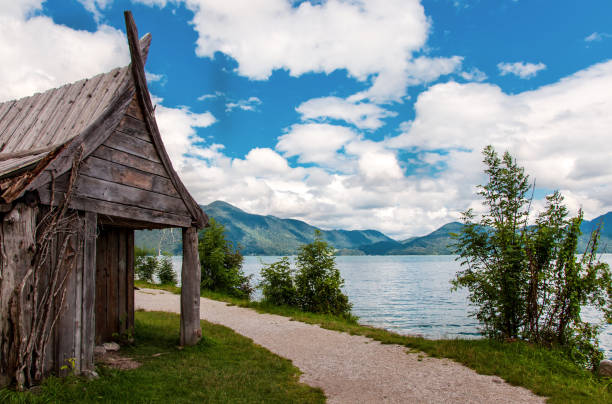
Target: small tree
165 271
318 282
221 263
525 281
277 283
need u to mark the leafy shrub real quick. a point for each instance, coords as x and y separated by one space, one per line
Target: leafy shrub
316 284
165 271
277 284
145 267
527 281
221 263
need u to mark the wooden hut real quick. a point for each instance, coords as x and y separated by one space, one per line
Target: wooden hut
81 167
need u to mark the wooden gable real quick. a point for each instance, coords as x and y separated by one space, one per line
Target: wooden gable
125 178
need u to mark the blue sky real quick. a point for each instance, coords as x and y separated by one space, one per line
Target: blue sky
348 114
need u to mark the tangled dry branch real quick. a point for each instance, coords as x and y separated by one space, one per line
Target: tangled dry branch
40 297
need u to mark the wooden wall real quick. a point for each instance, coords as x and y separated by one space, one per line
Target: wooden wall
114 308
73 336
124 177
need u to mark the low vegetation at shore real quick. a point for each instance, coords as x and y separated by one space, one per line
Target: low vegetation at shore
223 367
546 372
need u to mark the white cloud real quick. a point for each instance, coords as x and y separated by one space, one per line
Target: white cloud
474 74
556 131
520 69
597 37
363 115
249 104
95 7
214 95
153 78
178 129
38 54
316 143
373 40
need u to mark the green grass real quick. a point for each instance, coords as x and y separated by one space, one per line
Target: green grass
544 371
223 368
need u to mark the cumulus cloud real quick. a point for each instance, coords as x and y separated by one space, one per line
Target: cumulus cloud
38 54
363 115
316 143
556 131
249 104
520 69
373 40
178 129
342 180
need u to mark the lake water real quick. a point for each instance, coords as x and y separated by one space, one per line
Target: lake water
410 294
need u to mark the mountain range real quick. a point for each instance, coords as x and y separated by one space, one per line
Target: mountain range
270 235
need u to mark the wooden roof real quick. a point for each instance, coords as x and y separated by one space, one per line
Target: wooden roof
40 134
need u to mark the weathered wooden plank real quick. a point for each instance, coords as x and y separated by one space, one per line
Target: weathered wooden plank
65 334
20 112
191 332
120 157
140 81
107 86
130 280
109 191
134 127
122 280
88 140
134 110
118 210
121 174
4 108
85 96
77 320
122 81
133 146
89 292
52 129
18 139
112 284
18 246
101 269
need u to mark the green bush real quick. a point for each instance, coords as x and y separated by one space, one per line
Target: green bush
145 267
221 263
527 281
277 284
316 285
318 282
165 271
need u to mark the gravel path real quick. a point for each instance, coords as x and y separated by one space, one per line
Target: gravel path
352 369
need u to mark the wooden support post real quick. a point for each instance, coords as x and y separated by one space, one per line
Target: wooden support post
191 332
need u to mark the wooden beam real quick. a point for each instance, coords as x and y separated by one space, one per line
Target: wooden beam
191 332
89 292
118 210
199 217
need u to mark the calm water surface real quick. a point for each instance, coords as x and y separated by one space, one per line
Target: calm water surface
410 294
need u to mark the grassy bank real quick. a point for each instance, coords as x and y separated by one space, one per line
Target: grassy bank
223 368
545 372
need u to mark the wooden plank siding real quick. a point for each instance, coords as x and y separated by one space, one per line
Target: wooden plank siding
124 178
114 283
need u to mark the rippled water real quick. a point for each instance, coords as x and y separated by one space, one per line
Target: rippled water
410 294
